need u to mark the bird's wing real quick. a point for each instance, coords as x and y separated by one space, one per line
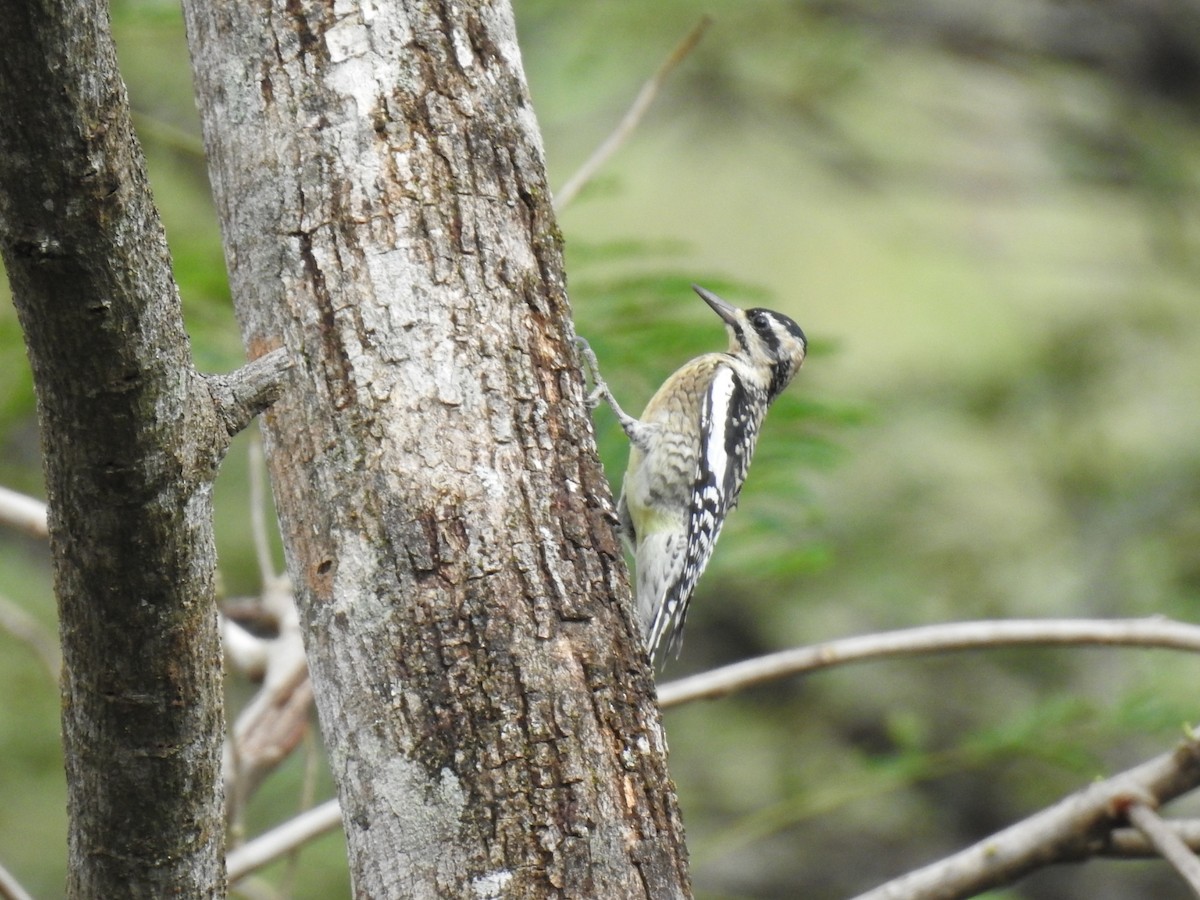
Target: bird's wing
721 468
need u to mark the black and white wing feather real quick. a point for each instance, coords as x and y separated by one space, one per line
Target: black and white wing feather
728 431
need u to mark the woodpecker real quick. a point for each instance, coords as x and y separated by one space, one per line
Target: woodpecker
688 457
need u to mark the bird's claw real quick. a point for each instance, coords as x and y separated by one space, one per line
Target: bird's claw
591 372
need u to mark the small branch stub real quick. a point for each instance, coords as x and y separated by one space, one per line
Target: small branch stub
247 392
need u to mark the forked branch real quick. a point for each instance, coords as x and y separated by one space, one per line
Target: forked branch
1070 830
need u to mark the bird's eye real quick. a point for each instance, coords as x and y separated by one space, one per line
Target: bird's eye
760 320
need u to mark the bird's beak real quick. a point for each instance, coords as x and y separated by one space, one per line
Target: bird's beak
726 311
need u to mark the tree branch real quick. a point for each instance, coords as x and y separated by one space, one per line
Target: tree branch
130 440
23 513
258 513
10 888
1151 632
632 117
1172 848
242 395
276 720
271 725
1072 829
282 840
1129 843
26 629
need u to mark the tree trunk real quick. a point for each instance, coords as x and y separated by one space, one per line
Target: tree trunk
131 438
484 697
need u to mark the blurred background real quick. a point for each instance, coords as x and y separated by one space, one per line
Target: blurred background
986 217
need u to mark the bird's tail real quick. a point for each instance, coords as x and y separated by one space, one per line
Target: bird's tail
660 607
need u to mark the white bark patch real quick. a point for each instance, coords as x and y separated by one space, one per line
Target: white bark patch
429 813
462 49
357 559
491 886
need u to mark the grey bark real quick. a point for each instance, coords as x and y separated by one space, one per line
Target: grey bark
131 438
484 697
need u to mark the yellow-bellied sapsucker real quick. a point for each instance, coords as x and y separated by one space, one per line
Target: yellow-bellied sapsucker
689 454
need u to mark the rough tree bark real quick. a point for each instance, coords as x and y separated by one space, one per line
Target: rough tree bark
131 438
484 698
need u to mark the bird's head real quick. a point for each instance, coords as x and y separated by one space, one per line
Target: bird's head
762 337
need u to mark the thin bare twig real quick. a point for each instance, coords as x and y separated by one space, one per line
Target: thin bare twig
235 804
258 511
1153 632
1072 829
1143 817
308 794
168 135
632 117
1129 843
272 725
29 631
10 888
280 841
23 513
